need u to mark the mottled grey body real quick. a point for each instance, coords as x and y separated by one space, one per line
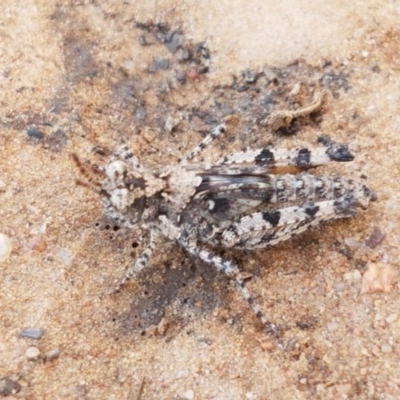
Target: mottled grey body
247 200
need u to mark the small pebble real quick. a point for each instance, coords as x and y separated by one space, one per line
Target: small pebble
35 133
303 381
142 40
192 74
52 354
270 74
326 359
386 348
37 243
391 318
339 287
181 373
171 123
183 55
267 344
376 69
365 352
365 53
344 389
32 353
377 236
354 275
162 64
382 323
8 387
352 243
357 275
32 333
65 257
141 113
379 277
250 76
176 41
332 326
180 76
348 276
189 395
5 247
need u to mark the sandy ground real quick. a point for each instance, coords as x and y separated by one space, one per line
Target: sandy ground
83 77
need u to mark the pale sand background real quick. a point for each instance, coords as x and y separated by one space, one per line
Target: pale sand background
53 75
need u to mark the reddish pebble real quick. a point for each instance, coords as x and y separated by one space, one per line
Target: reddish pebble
37 243
193 74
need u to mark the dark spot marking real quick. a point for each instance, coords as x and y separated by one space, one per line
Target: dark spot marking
325 140
266 156
311 209
272 217
220 205
303 158
104 193
369 193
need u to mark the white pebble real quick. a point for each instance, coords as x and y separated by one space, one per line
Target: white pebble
386 348
391 318
354 275
181 374
352 243
5 247
32 353
332 326
65 258
357 275
189 395
344 388
52 354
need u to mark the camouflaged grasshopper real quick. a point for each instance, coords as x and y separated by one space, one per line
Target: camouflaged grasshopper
247 200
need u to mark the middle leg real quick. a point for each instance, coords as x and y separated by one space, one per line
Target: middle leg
232 270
